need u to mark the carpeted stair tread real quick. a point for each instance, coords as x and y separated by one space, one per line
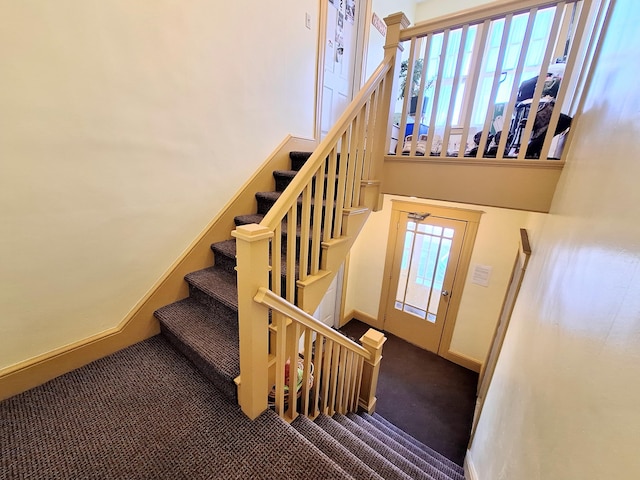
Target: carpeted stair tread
146 413
418 444
217 283
226 247
224 254
383 450
364 452
210 344
298 159
438 471
414 445
267 199
334 449
248 219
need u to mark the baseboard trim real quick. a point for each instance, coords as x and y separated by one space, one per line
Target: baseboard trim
463 360
38 370
362 317
140 323
470 472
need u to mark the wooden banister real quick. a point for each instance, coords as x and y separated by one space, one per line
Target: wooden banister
268 298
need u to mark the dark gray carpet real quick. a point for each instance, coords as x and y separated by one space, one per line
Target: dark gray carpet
430 398
146 413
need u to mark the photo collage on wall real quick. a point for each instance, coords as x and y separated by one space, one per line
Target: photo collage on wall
346 12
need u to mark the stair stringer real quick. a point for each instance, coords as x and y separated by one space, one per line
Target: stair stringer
334 252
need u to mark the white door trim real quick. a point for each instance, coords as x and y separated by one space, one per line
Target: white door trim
362 37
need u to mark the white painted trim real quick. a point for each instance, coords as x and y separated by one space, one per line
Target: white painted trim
470 472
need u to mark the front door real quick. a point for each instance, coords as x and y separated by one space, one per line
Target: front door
425 260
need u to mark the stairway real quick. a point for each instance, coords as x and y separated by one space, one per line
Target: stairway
203 327
368 446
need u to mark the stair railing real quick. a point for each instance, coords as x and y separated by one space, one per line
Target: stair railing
313 215
466 70
320 370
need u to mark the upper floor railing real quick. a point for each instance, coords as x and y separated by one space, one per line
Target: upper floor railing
479 74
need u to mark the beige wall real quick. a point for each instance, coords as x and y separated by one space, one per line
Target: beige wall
496 246
382 8
428 9
564 402
125 127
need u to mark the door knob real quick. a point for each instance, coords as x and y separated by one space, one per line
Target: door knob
445 293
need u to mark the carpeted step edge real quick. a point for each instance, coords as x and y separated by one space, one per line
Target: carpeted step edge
418 443
212 346
364 452
303 454
334 449
390 454
433 467
217 290
224 255
415 446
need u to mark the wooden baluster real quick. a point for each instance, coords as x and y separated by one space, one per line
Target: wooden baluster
292 220
508 112
293 336
342 182
332 175
318 362
359 373
351 161
276 260
326 374
436 95
370 129
333 384
318 200
359 163
305 227
454 91
471 88
341 370
496 83
306 387
568 73
281 358
537 94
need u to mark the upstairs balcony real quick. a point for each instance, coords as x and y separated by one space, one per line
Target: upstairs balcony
477 77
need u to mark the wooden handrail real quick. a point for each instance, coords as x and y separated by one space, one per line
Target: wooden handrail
476 16
268 298
277 212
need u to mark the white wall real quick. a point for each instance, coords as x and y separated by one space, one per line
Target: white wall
428 9
564 402
382 8
496 246
125 127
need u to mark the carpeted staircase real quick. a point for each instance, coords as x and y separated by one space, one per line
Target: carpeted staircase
203 327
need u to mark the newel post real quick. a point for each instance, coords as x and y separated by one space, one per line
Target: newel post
384 115
252 257
373 341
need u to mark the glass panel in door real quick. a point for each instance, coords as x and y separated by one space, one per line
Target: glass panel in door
426 256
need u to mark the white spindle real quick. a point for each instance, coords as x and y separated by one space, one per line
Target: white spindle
568 72
494 87
472 87
436 95
454 92
535 101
